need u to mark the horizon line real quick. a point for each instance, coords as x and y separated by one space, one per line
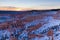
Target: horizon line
9 8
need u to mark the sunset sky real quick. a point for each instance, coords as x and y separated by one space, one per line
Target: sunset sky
33 4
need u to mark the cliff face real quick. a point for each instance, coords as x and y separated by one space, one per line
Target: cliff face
29 25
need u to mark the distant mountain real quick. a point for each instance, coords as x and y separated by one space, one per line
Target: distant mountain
9 8
23 9
13 9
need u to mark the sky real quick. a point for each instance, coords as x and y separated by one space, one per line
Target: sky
34 4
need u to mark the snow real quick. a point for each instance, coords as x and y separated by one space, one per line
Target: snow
44 38
51 12
4 33
57 35
47 26
35 22
24 34
51 22
4 18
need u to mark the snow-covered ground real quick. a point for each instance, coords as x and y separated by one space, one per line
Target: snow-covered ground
46 19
